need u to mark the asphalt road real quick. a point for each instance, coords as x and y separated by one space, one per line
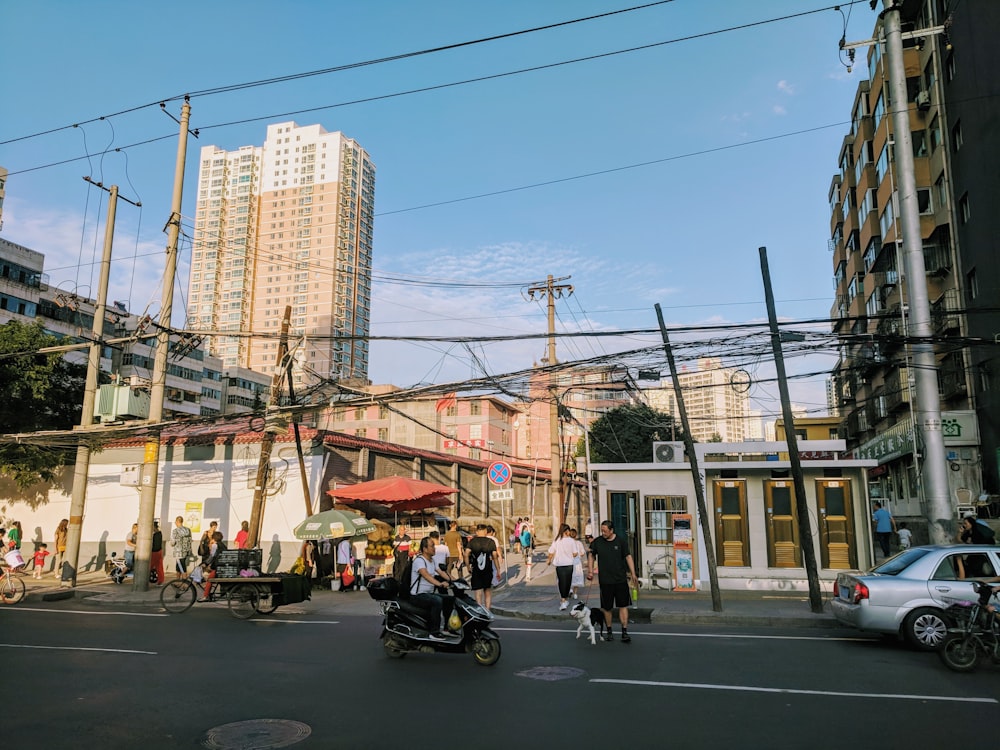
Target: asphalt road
81 676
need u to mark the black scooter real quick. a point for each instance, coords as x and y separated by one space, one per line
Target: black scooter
405 628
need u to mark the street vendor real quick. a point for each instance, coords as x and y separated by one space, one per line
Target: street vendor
401 551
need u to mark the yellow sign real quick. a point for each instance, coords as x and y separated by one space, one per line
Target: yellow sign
193 514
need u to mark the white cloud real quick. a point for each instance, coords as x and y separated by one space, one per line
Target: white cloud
786 87
779 110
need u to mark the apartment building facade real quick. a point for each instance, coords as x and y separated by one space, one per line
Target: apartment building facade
288 224
716 399
949 109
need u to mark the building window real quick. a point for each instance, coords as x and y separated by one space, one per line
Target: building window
924 201
942 191
964 212
949 67
956 137
474 408
935 133
972 284
660 511
984 378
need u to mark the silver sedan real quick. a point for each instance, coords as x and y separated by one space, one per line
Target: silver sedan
908 593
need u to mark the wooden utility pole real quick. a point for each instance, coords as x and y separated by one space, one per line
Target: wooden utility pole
151 452
550 291
704 519
81 469
801 507
267 440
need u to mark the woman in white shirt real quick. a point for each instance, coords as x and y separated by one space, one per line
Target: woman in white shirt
562 553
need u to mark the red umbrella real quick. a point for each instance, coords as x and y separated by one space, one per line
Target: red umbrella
398 493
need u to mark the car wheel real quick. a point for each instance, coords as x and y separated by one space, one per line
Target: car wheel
925 628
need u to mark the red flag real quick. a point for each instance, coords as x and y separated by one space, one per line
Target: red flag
443 403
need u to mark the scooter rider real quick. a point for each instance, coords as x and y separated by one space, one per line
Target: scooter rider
424 588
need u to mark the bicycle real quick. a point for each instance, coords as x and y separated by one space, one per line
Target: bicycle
975 634
12 588
244 600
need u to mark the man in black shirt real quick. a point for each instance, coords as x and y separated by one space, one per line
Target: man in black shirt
481 555
615 572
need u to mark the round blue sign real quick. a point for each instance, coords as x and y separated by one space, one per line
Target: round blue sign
499 472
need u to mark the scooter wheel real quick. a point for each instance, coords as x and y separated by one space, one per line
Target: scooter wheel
391 651
486 651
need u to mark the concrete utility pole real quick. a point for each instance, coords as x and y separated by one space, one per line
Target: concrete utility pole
551 291
801 507
704 519
927 403
151 452
267 440
81 469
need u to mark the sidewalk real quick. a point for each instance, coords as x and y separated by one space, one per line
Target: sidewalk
536 599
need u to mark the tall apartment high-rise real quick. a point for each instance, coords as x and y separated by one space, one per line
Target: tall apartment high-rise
952 81
716 409
289 223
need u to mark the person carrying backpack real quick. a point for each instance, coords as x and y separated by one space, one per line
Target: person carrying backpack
527 540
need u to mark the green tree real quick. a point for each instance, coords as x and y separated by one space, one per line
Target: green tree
40 392
626 434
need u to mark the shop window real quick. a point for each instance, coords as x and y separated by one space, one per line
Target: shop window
659 511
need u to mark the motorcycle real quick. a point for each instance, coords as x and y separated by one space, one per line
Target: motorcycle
975 634
405 628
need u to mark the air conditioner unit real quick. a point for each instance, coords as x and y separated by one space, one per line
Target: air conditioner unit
668 453
923 101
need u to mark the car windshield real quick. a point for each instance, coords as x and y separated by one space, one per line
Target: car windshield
898 563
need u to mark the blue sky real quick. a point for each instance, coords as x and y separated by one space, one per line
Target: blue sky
682 230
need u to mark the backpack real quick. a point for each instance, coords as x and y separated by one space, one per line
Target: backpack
404 579
525 537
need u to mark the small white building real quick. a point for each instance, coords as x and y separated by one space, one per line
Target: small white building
750 498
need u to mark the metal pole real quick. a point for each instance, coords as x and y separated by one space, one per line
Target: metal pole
81 469
151 452
801 507
592 522
703 517
927 404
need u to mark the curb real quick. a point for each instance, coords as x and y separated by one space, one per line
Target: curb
666 617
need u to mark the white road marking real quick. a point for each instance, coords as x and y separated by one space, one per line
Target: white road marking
80 648
85 612
635 634
792 691
295 622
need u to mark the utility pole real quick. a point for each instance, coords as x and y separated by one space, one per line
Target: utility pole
927 402
704 519
298 441
81 469
550 291
151 451
801 507
267 440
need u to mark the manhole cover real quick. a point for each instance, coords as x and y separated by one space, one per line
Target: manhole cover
257 734
551 674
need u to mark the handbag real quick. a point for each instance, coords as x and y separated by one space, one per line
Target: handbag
346 578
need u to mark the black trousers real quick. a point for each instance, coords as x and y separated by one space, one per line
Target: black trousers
438 604
564 576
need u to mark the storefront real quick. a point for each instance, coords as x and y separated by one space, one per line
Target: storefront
753 525
895 480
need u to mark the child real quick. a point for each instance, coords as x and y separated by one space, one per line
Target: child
904 536
40 554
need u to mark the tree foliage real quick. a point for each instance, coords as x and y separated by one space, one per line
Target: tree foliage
626 434
40 392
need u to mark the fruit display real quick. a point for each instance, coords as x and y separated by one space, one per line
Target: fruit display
378 550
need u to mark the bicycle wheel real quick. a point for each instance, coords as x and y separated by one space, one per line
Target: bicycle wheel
243 599
11 590
178 596
267 602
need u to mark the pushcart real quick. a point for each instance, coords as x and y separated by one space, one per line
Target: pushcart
245 596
